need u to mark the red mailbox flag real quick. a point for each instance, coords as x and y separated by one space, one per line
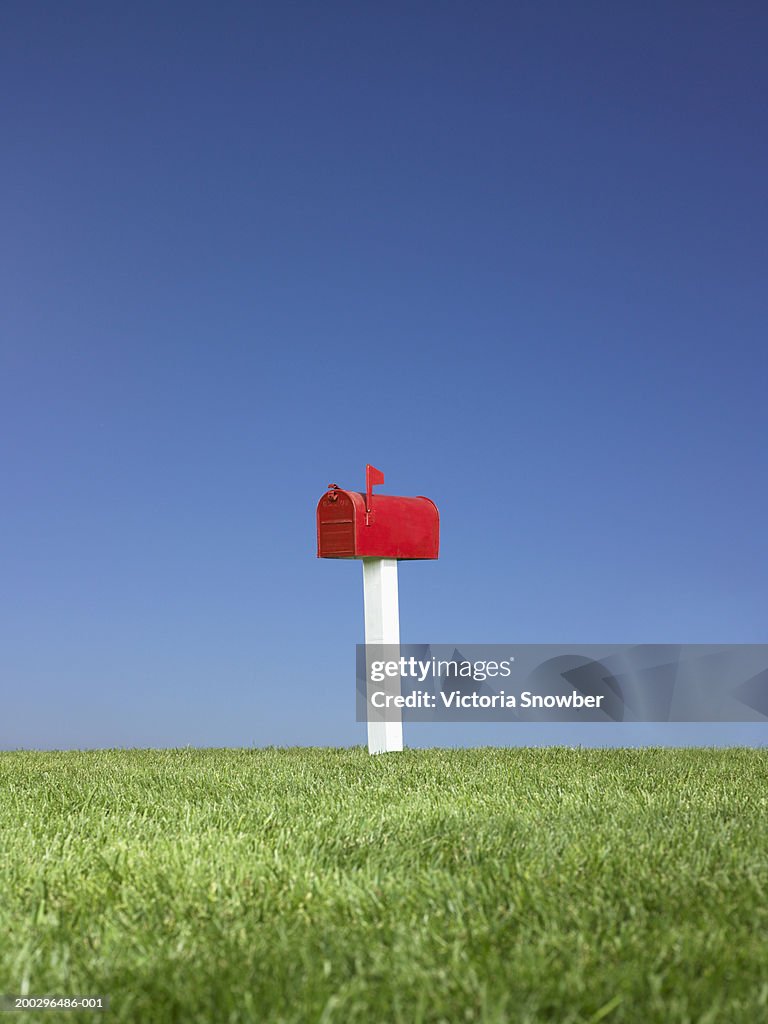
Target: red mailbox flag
372 476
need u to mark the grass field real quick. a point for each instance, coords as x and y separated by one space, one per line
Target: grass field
323 885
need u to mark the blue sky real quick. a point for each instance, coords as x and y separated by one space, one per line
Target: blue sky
512 254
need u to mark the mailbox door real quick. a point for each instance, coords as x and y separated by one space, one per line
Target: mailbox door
336 526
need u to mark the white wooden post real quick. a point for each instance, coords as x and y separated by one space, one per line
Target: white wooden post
382 626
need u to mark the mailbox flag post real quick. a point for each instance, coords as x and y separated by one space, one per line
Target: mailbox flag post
380 529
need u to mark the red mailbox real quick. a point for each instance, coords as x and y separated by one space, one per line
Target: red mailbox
355 525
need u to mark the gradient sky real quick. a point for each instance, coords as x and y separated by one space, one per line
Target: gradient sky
513 254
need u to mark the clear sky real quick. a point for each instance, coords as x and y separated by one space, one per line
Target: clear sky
513 254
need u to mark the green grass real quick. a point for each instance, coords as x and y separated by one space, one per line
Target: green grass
558 885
